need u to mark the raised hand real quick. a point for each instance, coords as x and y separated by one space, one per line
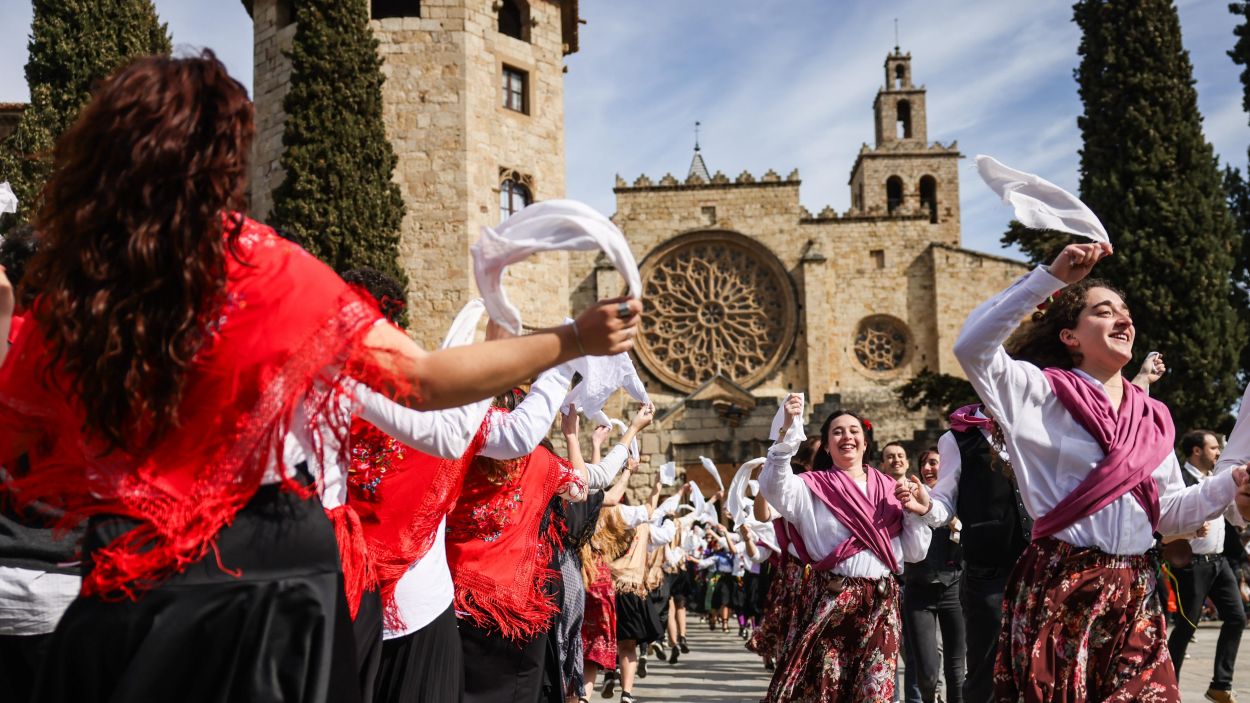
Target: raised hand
608 327
644 417
1077 260
570 421
600 435
793 405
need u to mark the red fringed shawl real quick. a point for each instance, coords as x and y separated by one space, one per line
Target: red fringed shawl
401 496
500 561
282 338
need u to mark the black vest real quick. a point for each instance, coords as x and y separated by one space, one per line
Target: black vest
941 565
993 535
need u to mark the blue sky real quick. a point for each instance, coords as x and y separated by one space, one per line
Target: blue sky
789 84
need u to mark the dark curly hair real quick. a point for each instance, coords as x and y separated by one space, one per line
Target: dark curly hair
16 251
1037 340
132 262
386 290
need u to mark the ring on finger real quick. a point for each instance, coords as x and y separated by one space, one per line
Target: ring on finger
622 310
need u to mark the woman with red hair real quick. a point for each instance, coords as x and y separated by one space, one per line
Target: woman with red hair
181 365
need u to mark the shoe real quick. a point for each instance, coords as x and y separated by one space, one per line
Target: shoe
583 699
769 665
672 657
627 697
642 669
711 625
657 650
609 683
742 633
681 642
1219 696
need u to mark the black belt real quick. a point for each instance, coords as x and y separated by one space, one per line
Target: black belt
1207 558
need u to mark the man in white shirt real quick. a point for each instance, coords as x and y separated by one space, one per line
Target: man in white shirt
1208 576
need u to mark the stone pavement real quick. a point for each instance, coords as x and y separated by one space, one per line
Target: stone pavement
719 670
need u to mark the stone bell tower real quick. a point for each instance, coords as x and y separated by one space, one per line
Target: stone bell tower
902 173
473 104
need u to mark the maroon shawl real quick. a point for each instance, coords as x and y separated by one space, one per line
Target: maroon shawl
873 519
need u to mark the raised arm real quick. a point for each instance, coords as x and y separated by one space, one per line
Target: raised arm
1185 508
515 434
613 495
945 495
459 375
440 433
597 438
602 473
778 484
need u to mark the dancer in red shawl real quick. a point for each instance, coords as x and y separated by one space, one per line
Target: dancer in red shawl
1093 458
844 521
175 354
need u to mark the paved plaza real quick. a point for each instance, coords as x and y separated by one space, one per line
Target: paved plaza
719 670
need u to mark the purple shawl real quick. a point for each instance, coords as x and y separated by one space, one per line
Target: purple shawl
873 519
966 418
1136 440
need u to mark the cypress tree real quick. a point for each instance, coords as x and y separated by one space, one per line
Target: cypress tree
1235 184
337 196
73 45
1153 179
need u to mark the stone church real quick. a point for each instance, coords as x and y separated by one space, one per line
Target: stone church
748 295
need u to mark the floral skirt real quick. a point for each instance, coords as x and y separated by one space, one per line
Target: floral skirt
1082 625
599 621
773 632
844 646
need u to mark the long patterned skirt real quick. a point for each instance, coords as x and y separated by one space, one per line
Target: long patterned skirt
845 645
599 624
1082 625
770 637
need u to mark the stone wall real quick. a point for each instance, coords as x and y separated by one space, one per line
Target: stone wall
444 116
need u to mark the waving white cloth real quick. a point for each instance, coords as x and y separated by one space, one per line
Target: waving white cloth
1039 203
668 473
633 444
602 376
764 533
711 469
547 226
703 510
736 503
795 434
8 201
667 507
463 329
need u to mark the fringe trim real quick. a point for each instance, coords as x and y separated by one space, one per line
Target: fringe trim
358 574
516 616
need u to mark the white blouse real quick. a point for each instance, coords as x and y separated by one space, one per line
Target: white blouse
1050 452
820 530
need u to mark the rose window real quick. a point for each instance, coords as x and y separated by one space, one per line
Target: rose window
717 302
881 344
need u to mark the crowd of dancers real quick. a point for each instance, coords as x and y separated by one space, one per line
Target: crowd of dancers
231 476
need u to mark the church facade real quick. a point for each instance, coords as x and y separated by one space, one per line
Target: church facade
748 296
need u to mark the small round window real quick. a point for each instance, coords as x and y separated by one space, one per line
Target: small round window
881 344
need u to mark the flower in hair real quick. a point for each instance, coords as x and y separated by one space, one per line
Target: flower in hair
1046 303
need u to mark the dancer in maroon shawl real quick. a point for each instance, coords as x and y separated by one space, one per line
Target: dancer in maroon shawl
1092 455
844 521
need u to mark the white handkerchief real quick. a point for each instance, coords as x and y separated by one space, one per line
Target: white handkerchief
1039 203
711 469
463 329
668 473
8 201
602 376
796 433
736 503
668 507
547 226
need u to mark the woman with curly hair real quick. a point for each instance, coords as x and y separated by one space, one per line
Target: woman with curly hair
1093 458
180 368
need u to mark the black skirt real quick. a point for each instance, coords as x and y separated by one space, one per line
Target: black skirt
727 592
426 666
279 632
636 619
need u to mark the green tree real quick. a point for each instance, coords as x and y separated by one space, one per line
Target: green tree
338 196
1235 184
936 391
1153 179
1040 246
73 44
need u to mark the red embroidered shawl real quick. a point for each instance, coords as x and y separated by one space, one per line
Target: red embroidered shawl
282 338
